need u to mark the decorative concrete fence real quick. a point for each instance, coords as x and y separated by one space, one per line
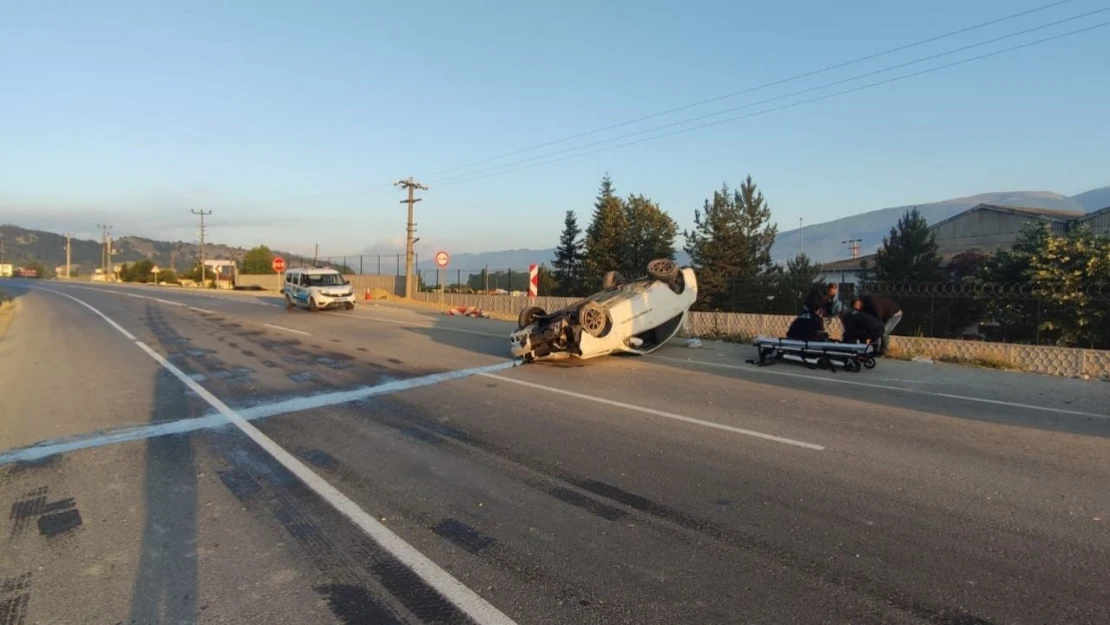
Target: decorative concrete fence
360 283
1061 361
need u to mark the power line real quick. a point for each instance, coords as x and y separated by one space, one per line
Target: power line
762 86
834 83
785 106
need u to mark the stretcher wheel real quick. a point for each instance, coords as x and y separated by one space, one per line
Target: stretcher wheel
853 365
869 363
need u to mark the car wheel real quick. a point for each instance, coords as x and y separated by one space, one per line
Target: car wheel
528 315
592 318
349 306
663 269
312 304
611 280
289 305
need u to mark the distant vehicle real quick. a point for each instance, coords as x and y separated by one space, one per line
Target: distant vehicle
632 316
317 289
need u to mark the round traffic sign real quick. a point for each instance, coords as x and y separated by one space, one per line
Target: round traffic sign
279 264
442 259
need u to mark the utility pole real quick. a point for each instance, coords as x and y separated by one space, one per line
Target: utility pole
412 186
69 237
203 273
105 252
853 245
316 255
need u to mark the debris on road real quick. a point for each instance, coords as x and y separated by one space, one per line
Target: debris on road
924 359
693 343
466 311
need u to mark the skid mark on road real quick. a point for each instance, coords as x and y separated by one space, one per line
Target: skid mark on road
408 565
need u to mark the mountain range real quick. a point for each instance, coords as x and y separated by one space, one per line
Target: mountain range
823 242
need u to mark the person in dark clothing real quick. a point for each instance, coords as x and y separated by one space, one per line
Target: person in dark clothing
861 327
885 310
807 327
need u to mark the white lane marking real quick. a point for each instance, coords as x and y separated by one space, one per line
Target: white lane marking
43 449
660 413
913 391
465 599
99 314
270 325
201 310
422 325
166 301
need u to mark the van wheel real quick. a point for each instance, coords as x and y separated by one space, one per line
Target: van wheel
312 304
663 270
289 305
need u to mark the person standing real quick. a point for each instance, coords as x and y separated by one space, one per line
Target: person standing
885 310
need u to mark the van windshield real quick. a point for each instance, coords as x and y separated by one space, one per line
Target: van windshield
324 279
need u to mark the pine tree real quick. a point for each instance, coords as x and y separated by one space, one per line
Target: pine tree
909 253
568 258
802 271
649 234
731 240
605 236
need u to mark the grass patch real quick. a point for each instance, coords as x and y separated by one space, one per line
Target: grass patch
5 301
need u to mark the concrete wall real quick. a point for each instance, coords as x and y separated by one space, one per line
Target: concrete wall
392 284
1061 361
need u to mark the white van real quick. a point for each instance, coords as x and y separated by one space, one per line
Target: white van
317 289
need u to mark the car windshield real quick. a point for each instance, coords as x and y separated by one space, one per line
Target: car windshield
324 279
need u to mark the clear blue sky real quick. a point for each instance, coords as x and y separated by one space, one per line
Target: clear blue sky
290 119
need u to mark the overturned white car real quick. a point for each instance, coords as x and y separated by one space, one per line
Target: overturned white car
634 316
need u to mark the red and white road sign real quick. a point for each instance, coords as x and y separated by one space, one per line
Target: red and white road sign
533 280
442 258
278 264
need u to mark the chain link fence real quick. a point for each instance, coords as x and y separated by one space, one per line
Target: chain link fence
999 312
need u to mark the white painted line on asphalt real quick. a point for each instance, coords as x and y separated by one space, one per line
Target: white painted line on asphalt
43 449
913 391
201 310
166 301
465 599
283 328
422 325
660 413
99 314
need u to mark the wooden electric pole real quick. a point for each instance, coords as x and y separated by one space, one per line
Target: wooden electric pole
412 186
69 238
203 273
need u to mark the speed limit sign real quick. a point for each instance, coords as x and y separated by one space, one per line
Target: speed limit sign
442 259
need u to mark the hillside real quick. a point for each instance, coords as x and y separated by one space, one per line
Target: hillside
22 245
1093 200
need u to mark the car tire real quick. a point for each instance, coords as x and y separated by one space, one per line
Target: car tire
289 305
312 304
593 319
663 269
611 280
349 306
528 315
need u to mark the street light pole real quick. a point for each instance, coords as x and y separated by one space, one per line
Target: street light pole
203 273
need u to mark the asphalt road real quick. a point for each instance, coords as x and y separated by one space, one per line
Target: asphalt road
179 457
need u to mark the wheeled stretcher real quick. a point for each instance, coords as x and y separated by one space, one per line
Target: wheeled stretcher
824 354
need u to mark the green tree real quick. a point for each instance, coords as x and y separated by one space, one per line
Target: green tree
605 236
909 253
967 265
802 271
649 233
139 271
258 260
731 240
548 284
1062 271
568 263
